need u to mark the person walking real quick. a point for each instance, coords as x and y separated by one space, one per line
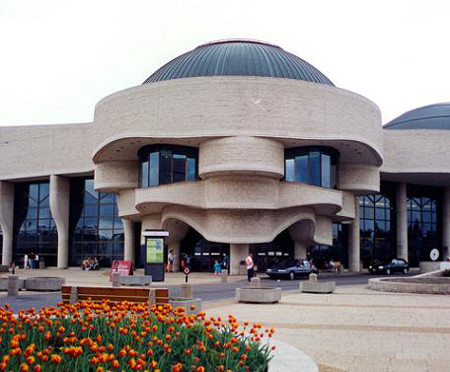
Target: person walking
249 263
170 259
217 268
226 263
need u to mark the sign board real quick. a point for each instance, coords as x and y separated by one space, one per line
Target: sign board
154 250
122 267
154 233
434 254
187 271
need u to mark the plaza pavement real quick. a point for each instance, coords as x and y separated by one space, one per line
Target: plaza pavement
353 329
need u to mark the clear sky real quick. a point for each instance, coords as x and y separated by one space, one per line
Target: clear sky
60 57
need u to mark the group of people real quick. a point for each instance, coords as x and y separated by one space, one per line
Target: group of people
219 266
31 261
89 264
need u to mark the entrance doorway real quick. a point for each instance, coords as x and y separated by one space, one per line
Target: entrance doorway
201 252
267 254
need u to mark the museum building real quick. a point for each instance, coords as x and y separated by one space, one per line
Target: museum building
236 146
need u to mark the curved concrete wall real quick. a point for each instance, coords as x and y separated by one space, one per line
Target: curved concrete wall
417 156
359 178
115 175
211 107
246 155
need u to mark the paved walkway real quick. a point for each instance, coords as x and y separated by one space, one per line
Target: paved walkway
356 329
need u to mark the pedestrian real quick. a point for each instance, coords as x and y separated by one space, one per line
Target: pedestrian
217 268
226 262
25 261
170 260
249 263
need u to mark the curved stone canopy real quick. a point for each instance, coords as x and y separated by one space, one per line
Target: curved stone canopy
239 58
435 116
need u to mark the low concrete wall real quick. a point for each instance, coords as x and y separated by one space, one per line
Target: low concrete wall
133 280
44 284
4 284
427 285
427 266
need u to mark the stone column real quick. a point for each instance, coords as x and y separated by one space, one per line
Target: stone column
402 221
446 223
59 206
354 241
300 251
128 249
175 246
7 220
238 252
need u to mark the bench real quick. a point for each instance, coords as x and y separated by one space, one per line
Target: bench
73 294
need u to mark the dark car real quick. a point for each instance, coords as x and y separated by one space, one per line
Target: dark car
396 265
291 269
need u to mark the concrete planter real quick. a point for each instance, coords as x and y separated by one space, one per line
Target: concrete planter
132 280
45 284
317 287
426 285
261 295
4 284
186 303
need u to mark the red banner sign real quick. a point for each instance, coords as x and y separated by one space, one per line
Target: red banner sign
122 267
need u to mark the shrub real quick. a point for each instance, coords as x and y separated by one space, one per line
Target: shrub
124 336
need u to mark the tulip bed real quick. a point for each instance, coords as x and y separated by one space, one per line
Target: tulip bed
123 336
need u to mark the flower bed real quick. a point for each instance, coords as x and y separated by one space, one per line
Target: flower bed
126 336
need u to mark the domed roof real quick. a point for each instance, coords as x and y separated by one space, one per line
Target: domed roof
239 58
428 117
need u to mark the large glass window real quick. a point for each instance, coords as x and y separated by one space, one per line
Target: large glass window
164 164
423 235
312 165
34 227
95 227
377 227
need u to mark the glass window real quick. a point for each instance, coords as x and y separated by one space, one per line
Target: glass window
154 169
326 171
168 164
289 173
312 165
91 231
34 229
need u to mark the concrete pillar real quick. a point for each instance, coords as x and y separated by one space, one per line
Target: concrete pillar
238 252
59 206
128 249
300 251
446 223
402 221
7 220
354 241
175 246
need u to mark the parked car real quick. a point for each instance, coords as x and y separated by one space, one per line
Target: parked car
291 269
396 265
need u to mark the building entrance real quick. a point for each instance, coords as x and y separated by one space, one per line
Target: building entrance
267 254
201 253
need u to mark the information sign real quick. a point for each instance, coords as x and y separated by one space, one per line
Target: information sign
155 250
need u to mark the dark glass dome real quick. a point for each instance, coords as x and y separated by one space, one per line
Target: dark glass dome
239 58
428 117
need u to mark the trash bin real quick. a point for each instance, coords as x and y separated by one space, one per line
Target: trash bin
42 264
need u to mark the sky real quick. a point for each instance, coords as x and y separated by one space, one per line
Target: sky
60 57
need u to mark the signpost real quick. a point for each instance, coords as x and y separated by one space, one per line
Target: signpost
186 272
155 253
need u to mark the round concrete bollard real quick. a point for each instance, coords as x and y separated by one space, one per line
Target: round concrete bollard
313 277
186 290
224 276
255 282
13 285
116 280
